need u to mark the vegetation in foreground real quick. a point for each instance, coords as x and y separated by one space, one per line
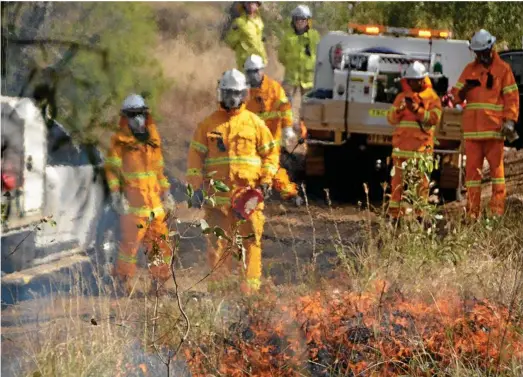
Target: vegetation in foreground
414 300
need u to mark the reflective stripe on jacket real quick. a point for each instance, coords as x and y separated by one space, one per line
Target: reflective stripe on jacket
487 109
408 136
135 168
238 146
292 53
270 103
245 38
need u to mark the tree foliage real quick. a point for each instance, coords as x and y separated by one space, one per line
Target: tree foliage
88 83
502 19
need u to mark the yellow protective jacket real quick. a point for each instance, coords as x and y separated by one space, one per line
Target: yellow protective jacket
245 38
136 169
236 145
486 108
408 138
292 53
270 103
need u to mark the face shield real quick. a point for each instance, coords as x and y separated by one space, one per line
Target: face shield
231 99
254 77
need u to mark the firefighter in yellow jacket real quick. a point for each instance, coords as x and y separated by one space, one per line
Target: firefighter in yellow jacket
297 52
245 34
234 143
139 191
268 100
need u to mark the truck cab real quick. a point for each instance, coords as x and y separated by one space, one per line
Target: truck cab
356 80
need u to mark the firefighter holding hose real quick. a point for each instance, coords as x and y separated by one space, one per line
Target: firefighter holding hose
415 113
268 100
139 192
237 146
491 92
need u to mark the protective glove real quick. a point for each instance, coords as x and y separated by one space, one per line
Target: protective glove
266 190
197 199
509 131
288 139
119 203
168 201
298 201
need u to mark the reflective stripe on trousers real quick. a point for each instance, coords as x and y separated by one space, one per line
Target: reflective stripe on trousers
476 151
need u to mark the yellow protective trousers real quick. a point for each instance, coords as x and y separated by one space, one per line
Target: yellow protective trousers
136 230
220 257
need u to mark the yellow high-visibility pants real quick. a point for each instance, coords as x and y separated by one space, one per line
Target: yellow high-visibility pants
136 230
221 264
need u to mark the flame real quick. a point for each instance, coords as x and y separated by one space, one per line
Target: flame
376 332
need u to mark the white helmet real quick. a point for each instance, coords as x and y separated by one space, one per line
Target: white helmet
234 80
253 63
301 11
134 102
482 40
415 70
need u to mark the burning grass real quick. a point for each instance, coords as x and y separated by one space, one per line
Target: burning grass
377 333
452 305
400 309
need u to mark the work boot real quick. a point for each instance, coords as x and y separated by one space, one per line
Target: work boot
298 201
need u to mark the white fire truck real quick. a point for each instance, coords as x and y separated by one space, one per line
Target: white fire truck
356 81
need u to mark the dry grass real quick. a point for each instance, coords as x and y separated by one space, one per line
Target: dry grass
56 336
480 261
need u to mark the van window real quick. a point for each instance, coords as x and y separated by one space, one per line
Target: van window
516 62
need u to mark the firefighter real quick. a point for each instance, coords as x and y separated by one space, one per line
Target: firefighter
234 143
415 113
245 33
268 100
488 86
297 52
139 192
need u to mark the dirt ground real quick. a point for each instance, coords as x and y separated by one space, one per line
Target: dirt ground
291 237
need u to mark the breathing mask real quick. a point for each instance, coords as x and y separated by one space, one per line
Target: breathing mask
254 78
232 99
484 57
138 124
